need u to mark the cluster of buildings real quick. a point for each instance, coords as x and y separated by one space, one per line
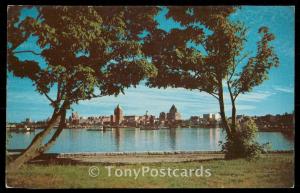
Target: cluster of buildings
284 122
119 119
173 118
165 119
206 119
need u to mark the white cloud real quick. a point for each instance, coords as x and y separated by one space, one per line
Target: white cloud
255 96
138 100
284 89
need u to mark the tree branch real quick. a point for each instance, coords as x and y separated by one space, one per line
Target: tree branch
27 34
241 59
230 91
211 93
236 64
232 72
49 98
95 96
214 96
26 51
236 95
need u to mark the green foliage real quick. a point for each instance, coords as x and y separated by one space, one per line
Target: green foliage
257 68
217 51
243 143
181 65
204 53
84 48
100 47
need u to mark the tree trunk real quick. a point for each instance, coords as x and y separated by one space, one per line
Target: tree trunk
222 112
35 148
233 110
233 117
60 128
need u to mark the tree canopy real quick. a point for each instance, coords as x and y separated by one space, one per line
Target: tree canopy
206 54
217 49
84 47
89 47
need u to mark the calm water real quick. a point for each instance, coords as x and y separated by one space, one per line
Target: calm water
133 140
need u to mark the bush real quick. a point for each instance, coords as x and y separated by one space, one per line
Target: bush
243 143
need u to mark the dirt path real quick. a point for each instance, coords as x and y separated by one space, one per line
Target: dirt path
130 158
142 158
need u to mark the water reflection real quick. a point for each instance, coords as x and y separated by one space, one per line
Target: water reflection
172 138
117 138
177 139
218 133
289 135
74 135
136 137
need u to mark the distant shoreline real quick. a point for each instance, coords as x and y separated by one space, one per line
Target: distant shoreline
94 128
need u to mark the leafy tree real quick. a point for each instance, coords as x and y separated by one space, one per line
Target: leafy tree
206 54
244 144
84 48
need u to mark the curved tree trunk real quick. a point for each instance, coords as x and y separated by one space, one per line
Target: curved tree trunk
60 128
36 148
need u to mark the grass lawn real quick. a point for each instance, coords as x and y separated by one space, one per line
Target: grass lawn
273 170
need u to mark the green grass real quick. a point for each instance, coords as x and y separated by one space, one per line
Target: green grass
275 170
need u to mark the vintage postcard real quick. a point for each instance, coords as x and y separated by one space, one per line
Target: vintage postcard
150 96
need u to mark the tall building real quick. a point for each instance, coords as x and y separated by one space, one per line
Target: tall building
131 120
195 119
152 120
212 117
173 114
28 120
118 114
112 119
74 118
162 117
208 116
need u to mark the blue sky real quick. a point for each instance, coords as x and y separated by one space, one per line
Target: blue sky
274 96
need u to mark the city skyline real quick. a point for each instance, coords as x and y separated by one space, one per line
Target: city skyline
146 113
274 96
